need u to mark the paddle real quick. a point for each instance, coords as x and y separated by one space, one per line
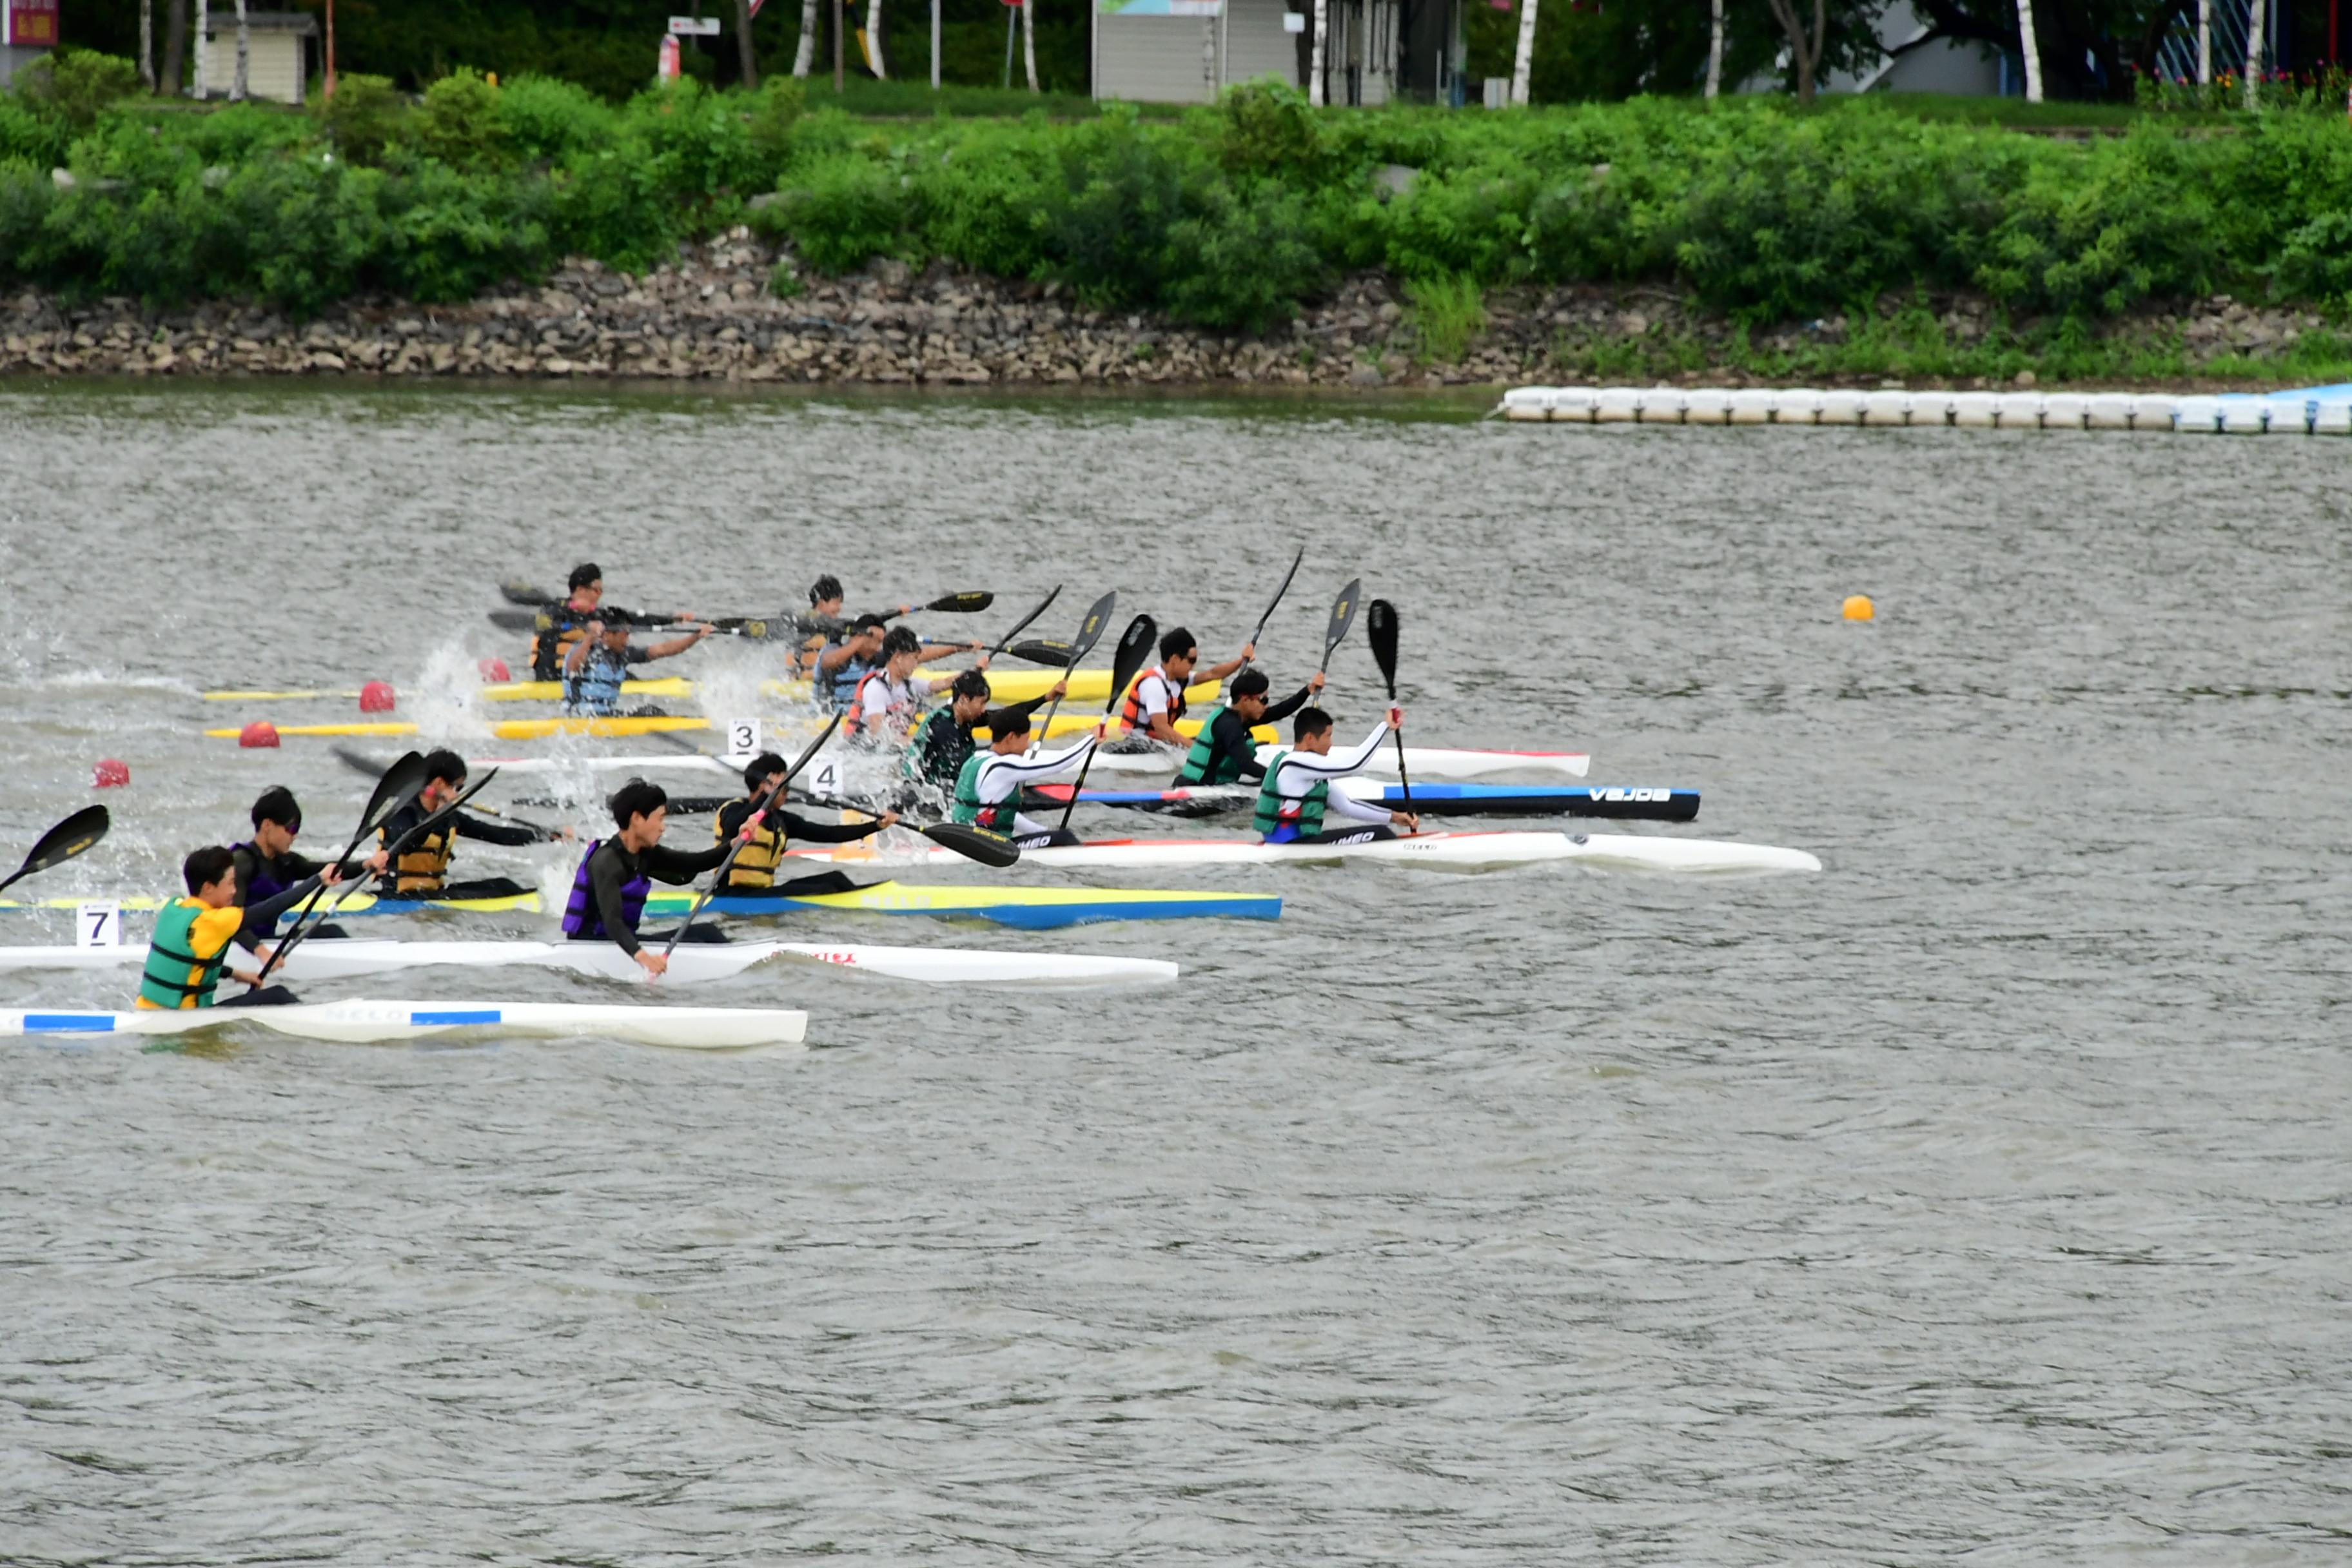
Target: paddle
359 762
1134 647
743 835
1343 615
1380 631
63 842
961 604
1048 651
1278 593
402 783
1022 624
1090 631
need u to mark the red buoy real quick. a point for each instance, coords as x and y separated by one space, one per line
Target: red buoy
260 733
375 697
493 670
112 773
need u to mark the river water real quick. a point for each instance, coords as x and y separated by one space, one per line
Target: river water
1985 1195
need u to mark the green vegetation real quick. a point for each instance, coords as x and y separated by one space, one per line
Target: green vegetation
1447 312
1227 216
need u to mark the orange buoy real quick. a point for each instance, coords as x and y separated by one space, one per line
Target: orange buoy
375 697
1858 607
260 733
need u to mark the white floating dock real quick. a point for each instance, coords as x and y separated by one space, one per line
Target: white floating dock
2319 411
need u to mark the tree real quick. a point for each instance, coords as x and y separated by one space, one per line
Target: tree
2027 47
744 56
805 56
243 54
1714 52
2253 50
1523 62
1805 48
176 43
874 40
1314 54
147 45
2204 42
1029 41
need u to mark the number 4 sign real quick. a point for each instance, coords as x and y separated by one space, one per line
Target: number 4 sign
98 925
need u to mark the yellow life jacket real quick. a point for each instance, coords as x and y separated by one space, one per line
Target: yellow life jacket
421 867
755 864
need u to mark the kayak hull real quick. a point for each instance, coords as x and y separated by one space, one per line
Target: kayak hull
1608 800
1454 851
385 1023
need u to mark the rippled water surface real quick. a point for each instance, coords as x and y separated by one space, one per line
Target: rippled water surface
1985 1195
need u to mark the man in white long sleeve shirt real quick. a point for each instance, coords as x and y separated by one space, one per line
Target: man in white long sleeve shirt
1296 790
988 787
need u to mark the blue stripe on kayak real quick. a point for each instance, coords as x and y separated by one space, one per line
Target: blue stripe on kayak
420 1016
68 1023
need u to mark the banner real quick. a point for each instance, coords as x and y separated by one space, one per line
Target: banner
32 23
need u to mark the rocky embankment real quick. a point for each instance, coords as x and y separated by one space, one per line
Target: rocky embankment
712 315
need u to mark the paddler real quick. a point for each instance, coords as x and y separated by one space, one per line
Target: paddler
753 874
189 952
841 665
888 699
608 890
421 854
567 622
1296 790
599 662
266 865
823 625
1156 701
988 789
1223 753
942 742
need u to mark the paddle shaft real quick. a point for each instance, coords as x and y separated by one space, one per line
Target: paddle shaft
1133 645
300 930
1278 593
744 837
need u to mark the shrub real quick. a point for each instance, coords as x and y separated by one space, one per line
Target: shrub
1266 127
36 139
74 85
1447 312
550 120
457 123
362 116
846 212
776 112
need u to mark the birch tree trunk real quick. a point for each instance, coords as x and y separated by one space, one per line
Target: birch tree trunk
1714 52
203 20
175 45
147 44
2253 51
1315 53
2029 49
1029 41
805 56
874 40
743 56
1523 61
244 53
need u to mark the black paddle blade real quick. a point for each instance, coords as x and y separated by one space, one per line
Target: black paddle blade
520 620
524 593
1134 647
402 783
63 842
1090 630
814 747
359 762
1343 615
1023 623
1380 631
962 604
1053 651
974 842
1276 602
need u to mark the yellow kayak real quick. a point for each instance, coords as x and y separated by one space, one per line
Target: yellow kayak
1004 686
1084 724
505 730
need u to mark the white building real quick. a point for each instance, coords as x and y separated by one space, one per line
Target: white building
279 50
1187 51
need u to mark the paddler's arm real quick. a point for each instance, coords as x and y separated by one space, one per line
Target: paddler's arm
1294 703
1219 671
931 650
471 826
801 827
576 657
676 646
665 864
1229 738
255 920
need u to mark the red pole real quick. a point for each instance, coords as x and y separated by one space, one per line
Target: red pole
331 47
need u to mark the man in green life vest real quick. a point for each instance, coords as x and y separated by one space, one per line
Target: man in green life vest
988 789
1297 791
192 935
1223 753
942 742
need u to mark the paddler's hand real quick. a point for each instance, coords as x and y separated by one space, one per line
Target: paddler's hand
378 861
1102 727
655 964
981 662
1315 683
330 876
1396 717
595 628
887 819
562 835
246 976
1249 652
1405 820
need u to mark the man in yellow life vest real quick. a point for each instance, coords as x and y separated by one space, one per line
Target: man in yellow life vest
753 874
189 951
421 854
1156 701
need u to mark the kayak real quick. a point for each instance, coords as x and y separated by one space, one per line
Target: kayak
375 1022
1022 908
1004 686
505 729
1421 761
691 963
1455 851
1652 804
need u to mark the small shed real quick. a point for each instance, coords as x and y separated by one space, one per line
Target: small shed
279 50
1187 51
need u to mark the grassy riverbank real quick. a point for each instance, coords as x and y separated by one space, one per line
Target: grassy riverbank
1230 217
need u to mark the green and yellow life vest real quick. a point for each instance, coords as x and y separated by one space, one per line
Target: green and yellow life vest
997 817
175 977
755 864
1202 764
421 867
1305 814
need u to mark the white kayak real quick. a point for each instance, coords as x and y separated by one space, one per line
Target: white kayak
1454 851
691 963
1453 763
376 1023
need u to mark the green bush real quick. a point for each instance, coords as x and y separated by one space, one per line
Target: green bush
362 116
75 85
457 123
849 211
550 120
1266 127
776 112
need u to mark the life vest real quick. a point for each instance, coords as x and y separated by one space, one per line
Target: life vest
1304 813
597 688
968 809
175 977
1131 713
835 690
424 864
1202 765
903 701
553 642
581 918
959 747
755 864
255 881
